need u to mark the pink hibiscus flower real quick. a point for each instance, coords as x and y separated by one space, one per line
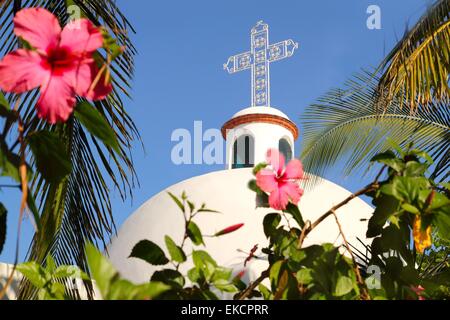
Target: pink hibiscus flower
419 291
61 63
279 182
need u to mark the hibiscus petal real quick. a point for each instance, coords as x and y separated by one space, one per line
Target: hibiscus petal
278 199
292 190
294 170
22 70
57 100
81 36
266 180
37 26
82 77
276 160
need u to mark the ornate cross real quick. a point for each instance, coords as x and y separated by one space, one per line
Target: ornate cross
258 60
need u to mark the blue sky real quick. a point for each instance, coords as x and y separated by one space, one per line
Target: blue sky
179 77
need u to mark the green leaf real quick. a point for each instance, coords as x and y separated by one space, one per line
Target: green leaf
304 276
221 273
110 284
63 272
208 295
421 154
405 188
34 210
34 273
295 212
3 213
415 169
194 233
270 223
390 159
259 167
410 208
252 186
439 201
5 109
262 200
4 104
50 265
195 275
204 263
110 44
200 257
9 162
265 292
191 206
385 206
343 286
395 145
442 222
102 270
153 289
50 154
275 273
176 253
224 285
122 289
170 277
57 291
177 201
96 124
382 156
150 252
204 209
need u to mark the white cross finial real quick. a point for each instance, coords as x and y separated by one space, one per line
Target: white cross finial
258 59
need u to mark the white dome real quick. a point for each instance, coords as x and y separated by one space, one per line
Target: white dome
260 110
227 192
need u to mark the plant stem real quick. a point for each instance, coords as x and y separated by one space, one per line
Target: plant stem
247 291
306 230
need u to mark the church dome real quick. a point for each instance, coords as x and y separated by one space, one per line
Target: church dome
260 110
227 192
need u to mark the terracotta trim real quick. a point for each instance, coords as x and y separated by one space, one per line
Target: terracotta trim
260 117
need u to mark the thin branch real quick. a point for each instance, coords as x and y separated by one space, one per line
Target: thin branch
364 293
306 230
244 294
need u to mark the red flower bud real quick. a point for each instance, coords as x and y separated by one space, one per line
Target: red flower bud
240 274
229 229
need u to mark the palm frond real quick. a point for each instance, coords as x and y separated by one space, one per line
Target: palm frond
344 125
418 67
79 208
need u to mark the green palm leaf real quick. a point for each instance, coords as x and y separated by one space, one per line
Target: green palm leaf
344 125
417 68
78 209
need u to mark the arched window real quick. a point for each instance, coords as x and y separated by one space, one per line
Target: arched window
243 152
285 148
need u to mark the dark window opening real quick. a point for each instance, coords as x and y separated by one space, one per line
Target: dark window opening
243 152
285 149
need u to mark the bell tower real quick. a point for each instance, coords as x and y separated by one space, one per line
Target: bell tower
253 130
